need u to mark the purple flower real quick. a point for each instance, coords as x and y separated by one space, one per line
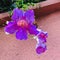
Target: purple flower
42 36
41 40
21 24
41 48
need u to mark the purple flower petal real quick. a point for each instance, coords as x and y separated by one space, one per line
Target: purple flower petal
42 39
29 14
17 13
11 27
21 34
33 30
41 48
42 36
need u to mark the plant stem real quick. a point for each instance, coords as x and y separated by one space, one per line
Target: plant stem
22 2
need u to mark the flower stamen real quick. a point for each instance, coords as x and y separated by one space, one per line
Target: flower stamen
22 23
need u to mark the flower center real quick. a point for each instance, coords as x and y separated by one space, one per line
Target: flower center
22 23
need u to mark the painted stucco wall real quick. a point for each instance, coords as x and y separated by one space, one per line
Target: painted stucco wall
12 49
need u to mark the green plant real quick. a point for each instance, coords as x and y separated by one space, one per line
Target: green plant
6 5
25 3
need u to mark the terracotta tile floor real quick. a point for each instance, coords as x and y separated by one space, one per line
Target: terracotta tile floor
12 49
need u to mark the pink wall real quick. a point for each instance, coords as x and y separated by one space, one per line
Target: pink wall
12 49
